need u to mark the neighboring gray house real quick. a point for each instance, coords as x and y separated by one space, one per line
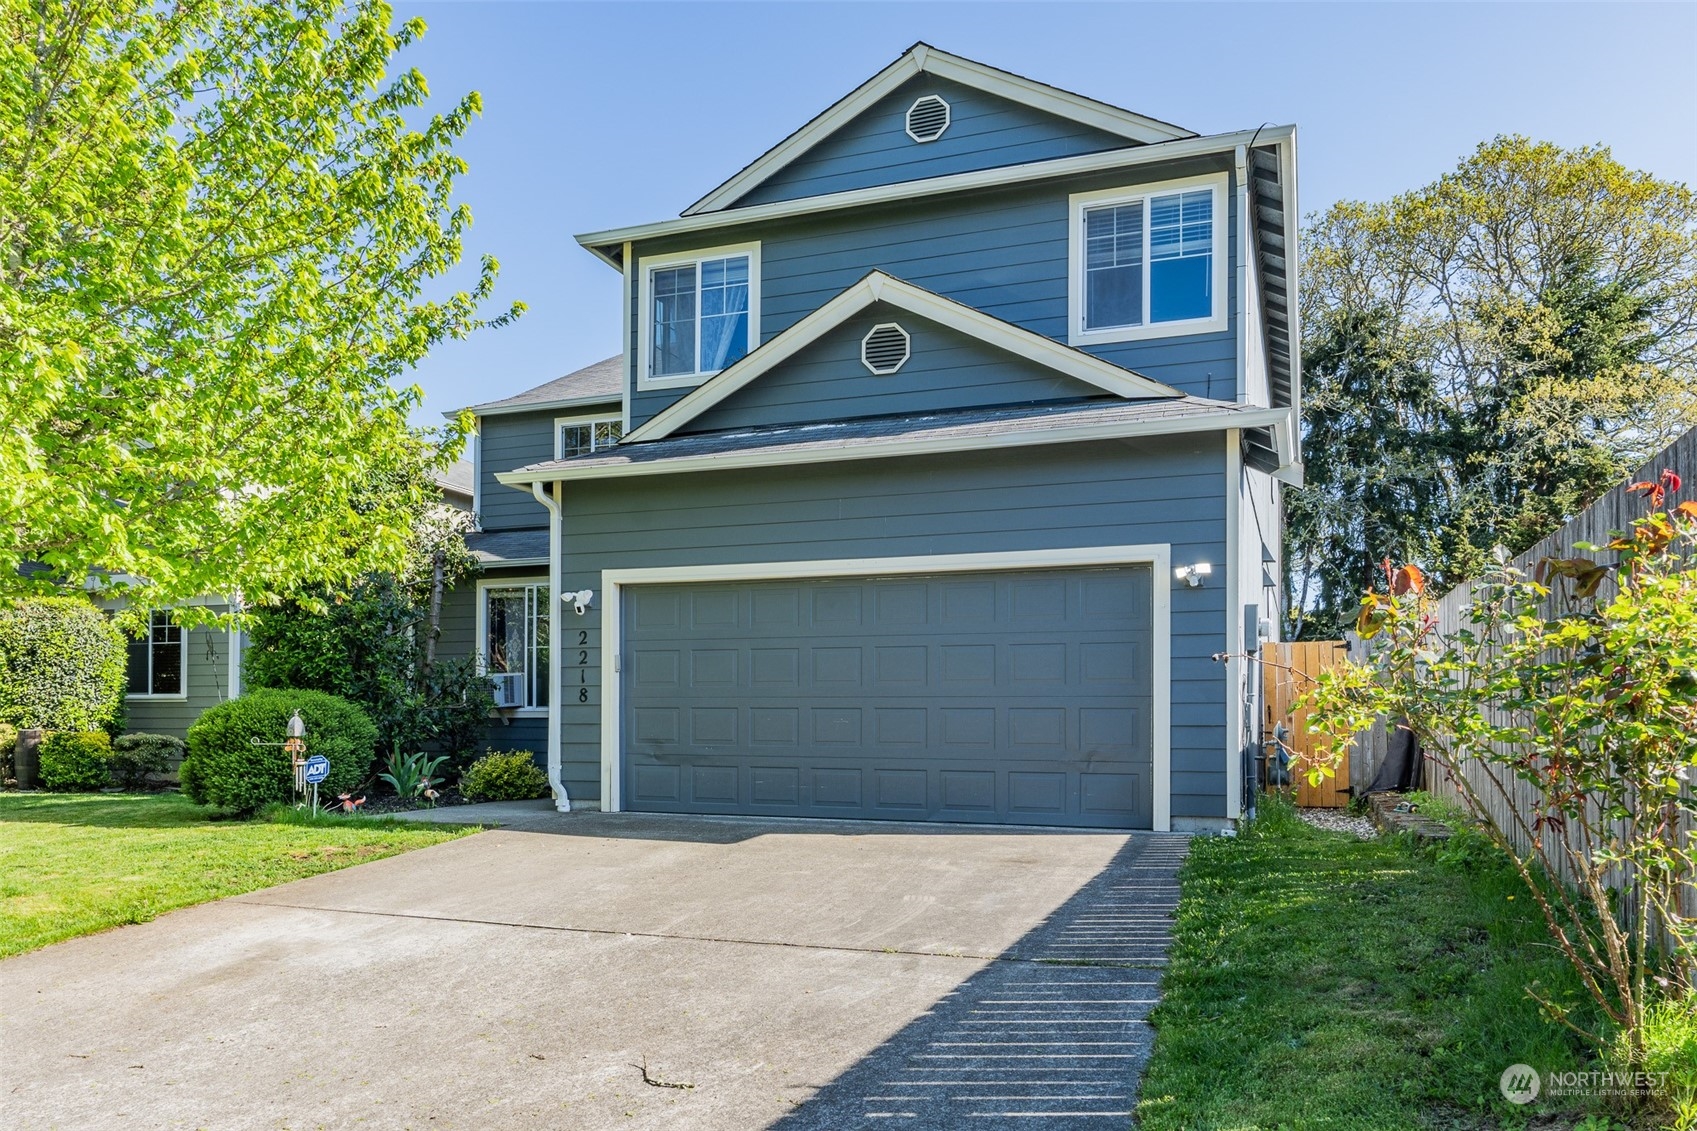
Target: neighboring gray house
943 453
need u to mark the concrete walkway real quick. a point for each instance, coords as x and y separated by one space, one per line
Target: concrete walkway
562 974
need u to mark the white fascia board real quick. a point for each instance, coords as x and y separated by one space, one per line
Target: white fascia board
933 186
539 406
1062 434
880 287
1293 284
928 60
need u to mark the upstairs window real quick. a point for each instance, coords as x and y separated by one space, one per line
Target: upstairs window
1148 262
581 435
156 659
701 310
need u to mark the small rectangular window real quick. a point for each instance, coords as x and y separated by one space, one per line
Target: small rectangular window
156 658
580 437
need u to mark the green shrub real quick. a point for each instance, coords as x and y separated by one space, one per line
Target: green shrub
76 761
136 757
62 664
8 746
510 775
224 768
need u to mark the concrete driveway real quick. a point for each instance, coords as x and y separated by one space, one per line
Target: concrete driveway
767 973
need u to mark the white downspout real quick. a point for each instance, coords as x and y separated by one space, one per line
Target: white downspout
561 801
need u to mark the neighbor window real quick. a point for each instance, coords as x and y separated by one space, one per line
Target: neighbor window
1146 262
156 658
577 436
701 311
515 643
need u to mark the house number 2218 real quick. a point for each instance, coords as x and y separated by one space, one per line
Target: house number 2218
583 666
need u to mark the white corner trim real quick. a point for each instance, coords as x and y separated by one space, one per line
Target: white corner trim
645 308
890 449
879 287
1158 556
234 638
1050 169
1079 202
627 299
928 60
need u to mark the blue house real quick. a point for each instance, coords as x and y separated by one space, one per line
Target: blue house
943 454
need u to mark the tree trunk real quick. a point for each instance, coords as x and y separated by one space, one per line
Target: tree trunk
433 627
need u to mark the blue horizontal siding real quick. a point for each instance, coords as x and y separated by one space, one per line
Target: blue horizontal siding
985 132
505 442
1003 252
946 369
1161 490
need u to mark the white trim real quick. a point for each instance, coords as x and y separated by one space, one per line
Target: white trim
644 306
1243 262
543 406
907 349
948 118
1079 202
873 449
585 418
233 637
477 472
922 58
482 622
627 300
1293 283
1158 556
877 287
1233 580
1050 169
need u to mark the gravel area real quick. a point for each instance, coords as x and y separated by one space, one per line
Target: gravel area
1339 821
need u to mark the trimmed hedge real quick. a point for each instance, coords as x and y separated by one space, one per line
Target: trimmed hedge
8 747
224 768
62 664
137 757
76 761
510 775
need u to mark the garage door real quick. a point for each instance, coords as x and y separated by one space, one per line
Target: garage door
989 697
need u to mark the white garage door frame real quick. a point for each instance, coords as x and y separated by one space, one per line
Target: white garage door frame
1158 556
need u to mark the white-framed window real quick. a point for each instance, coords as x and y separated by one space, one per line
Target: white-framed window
512 641
700 312
158 660
1148 261
580 435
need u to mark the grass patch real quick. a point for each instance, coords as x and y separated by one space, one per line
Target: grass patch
1319 981
74 864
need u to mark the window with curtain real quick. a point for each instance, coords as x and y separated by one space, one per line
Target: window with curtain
580 437
515 639
1149 260
156 658
700 316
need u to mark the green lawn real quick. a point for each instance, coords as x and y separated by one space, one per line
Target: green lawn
1322 982
73 864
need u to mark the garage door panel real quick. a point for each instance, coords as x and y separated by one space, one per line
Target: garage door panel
981 697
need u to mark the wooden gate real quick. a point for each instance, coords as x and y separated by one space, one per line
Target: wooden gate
1288 671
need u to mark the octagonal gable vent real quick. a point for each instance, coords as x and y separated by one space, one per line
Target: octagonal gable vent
885 348
927 118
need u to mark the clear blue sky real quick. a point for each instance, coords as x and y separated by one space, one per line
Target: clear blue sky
598 115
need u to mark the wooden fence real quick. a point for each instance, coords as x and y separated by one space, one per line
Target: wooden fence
1288 671
1513 804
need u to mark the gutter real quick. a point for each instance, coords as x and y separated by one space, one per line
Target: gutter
562 802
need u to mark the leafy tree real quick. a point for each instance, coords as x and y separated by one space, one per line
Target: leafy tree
218 222
1547 298
375 644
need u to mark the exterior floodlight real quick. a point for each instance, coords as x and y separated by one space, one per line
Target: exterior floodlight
1192 575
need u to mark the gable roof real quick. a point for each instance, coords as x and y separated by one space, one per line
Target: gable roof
972 429
923 58
602 381
875 287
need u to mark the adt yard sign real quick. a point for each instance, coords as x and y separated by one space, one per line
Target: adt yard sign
317 769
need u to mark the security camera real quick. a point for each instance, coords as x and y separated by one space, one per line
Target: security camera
580 600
